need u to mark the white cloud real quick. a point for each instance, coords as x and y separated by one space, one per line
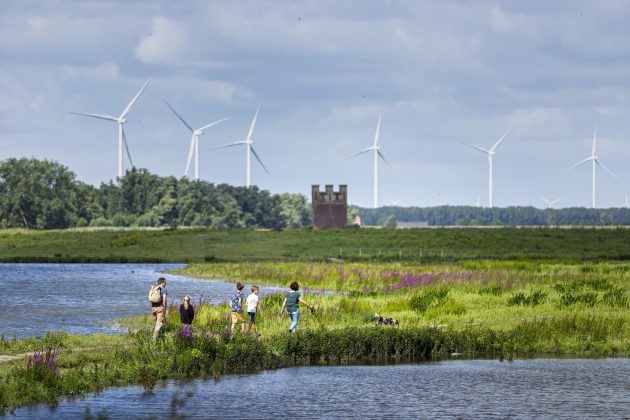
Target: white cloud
168 43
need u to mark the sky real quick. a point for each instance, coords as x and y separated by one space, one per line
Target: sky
439 72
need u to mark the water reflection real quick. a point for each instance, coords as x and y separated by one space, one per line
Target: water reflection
547 388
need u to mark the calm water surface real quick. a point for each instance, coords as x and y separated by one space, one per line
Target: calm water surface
85 298
538 388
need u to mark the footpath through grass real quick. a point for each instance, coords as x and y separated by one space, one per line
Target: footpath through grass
505 309
419 245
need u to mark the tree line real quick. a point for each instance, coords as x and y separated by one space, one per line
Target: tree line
43 194
477 216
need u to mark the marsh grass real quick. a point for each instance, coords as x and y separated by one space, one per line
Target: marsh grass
442 308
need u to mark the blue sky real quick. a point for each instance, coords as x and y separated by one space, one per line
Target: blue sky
440 72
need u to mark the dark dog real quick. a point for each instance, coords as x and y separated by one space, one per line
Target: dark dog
381 320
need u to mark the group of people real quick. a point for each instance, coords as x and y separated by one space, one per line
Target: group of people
292 299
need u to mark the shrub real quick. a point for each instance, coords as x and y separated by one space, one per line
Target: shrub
571 298
534 298
431 297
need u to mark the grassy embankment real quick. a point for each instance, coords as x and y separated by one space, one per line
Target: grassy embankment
420 245
502 308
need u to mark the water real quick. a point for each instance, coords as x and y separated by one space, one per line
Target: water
85 298
536 388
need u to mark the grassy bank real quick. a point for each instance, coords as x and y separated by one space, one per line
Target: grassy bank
419 245
504 309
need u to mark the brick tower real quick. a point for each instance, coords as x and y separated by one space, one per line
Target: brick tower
330 207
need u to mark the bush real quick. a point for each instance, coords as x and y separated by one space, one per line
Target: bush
534 298
431 297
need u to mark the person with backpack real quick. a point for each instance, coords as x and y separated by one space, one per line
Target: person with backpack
157 297
292 300
236 305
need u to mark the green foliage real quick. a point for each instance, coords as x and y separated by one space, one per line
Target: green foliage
533 298
491 290
588 292
429 298
45 195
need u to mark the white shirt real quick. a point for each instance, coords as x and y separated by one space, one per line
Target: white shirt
252 300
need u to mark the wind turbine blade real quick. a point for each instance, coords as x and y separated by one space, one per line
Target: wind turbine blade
251 127
360 153
135 98
481 149
99 116
383 157
555 201
190 154
127 147
604 166
213 123
378 131
179 116
578 164
500 140
594 142
236 143
546 201
259 161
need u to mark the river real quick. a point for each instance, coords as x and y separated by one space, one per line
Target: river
535 388
86 298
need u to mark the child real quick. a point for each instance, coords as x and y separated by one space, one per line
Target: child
186 312
236 304
252 308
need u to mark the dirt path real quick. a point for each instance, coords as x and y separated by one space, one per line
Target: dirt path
9 358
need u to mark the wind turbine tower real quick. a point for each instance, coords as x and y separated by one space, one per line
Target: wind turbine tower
194 141
377 154
121 120
491 152
595 161
249 150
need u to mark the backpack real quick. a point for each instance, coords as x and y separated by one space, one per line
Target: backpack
155 294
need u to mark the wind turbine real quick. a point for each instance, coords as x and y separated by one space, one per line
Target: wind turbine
395 202
249 149
627 203
121 120
550 202
595 160
194 141
490 154
377 153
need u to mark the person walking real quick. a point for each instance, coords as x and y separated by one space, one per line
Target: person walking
252 308
236 305
158 309
186 311
292 300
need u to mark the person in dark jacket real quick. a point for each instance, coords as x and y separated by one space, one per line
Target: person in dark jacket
186 312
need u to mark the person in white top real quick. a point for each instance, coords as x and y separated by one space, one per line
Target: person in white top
252 308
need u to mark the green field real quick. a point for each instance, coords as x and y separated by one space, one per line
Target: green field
420 245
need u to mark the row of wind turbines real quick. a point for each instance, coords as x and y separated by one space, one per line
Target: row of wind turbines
375 148
193 151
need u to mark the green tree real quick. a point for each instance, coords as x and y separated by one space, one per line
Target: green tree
37 194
